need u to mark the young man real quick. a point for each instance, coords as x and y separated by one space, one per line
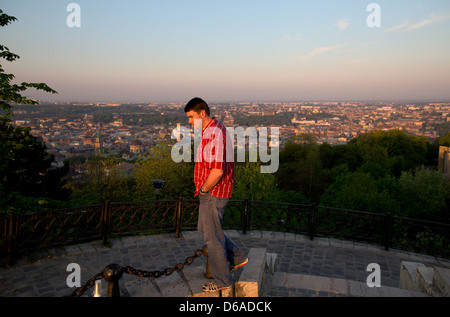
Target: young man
214 179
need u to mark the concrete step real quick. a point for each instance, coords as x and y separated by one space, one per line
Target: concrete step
248 281
261 278
441 279
408 276
425 281
187 283
308 285
417 277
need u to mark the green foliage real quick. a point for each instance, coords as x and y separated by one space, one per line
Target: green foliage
394 150
373 172
361 191
425 194
15 202
26 171
9 92
445 140
301 168
179 177
26 177
252 184
103 180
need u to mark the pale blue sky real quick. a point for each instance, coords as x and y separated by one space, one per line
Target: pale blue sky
247 50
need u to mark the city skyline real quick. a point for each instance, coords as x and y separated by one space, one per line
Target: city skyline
161 51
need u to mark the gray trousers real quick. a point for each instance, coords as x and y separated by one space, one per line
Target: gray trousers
221 249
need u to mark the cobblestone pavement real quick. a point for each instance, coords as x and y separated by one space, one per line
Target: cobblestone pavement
297 254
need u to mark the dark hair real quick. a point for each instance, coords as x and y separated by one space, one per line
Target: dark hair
197 105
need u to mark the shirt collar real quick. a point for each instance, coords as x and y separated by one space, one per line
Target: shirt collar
210 123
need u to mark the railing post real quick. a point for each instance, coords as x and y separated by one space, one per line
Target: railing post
106 221
179 216
312 221
388 231
245 218
11 238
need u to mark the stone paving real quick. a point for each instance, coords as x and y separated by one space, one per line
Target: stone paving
297 255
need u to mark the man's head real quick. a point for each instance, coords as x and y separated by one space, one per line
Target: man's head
197 109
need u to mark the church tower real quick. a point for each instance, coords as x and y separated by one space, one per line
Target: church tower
98 145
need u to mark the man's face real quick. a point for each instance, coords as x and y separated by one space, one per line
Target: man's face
196 119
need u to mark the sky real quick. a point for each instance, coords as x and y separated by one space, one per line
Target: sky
231 51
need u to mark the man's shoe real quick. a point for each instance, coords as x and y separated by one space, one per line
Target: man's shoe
234 268
211 287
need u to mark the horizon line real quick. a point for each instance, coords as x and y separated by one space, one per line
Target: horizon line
246 101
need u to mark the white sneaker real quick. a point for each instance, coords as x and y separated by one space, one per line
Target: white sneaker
211 287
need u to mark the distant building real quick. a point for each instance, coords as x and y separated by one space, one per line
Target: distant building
228 119
136 147
444 160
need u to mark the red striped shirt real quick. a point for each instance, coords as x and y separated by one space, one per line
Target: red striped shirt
212 154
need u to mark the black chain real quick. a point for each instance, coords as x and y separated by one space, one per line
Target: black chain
166 272
139 273
89 284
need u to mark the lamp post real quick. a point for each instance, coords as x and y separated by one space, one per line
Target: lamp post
158 184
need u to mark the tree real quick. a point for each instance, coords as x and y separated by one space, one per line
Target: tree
361 191
301 168
24 163
250 183
11 93
425 194
445 140
103 180
178 177
393 150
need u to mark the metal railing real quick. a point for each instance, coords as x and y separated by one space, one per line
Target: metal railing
22 234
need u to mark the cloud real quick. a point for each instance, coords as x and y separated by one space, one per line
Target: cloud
293 38
342 24
432 19
406 27
397 27
321 50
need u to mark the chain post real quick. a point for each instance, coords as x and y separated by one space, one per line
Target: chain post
112 275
